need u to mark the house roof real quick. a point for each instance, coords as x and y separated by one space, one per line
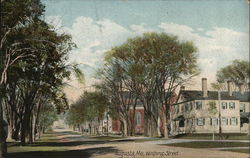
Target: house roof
245 97
244 114
212 95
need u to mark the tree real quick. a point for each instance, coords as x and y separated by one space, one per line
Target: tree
33 67
152 67
14 15
212 111
238 72
89 108
116 85
218 87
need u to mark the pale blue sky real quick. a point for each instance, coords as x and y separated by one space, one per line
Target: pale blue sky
206 14
219 28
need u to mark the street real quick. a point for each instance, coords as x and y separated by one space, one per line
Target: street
72 145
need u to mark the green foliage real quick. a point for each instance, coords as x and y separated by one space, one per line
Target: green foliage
212 107
35 67
238 72
149 62
48 116
149 68
90 106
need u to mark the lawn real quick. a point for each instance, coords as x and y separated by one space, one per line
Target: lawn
46 139
247 151
231 136
50 146
104 138
209 144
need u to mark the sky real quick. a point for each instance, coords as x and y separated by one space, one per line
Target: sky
218 28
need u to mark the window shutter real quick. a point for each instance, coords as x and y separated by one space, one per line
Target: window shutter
236 121
211 121
203 121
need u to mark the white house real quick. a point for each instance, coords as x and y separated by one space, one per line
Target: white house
204 111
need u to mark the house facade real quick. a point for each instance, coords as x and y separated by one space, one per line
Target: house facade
206 111
138 121
139 118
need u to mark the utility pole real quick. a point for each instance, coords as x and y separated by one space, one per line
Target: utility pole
219 99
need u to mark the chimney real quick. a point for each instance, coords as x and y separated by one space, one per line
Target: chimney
241 88
204 87
182 88
229 87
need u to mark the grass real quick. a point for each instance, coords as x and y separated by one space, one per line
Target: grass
247 151
209 144
105 138
208 136
49 146
46 138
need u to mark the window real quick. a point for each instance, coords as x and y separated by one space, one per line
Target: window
200 121
224 121
182 108
186 107
198 105
224 105
233 121
138 118
181 123
231 105
190 122
242 107
191 106
177 109
214 121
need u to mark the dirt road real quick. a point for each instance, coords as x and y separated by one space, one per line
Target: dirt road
130 149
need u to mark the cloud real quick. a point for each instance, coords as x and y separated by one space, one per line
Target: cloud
217 47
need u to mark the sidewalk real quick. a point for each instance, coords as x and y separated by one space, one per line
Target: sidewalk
229 148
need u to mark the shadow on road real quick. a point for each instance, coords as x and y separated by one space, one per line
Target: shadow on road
69 139
85 153
71 143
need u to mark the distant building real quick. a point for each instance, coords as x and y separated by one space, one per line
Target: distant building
194 112
139 118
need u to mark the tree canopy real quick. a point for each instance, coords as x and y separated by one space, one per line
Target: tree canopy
238 72
149 67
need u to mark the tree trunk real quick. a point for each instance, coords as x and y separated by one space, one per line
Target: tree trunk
9 132
23 135
125 128
30 134
25 129
153 127
165 122
3 146
107 125
159 126
145 124
133 121
248 126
